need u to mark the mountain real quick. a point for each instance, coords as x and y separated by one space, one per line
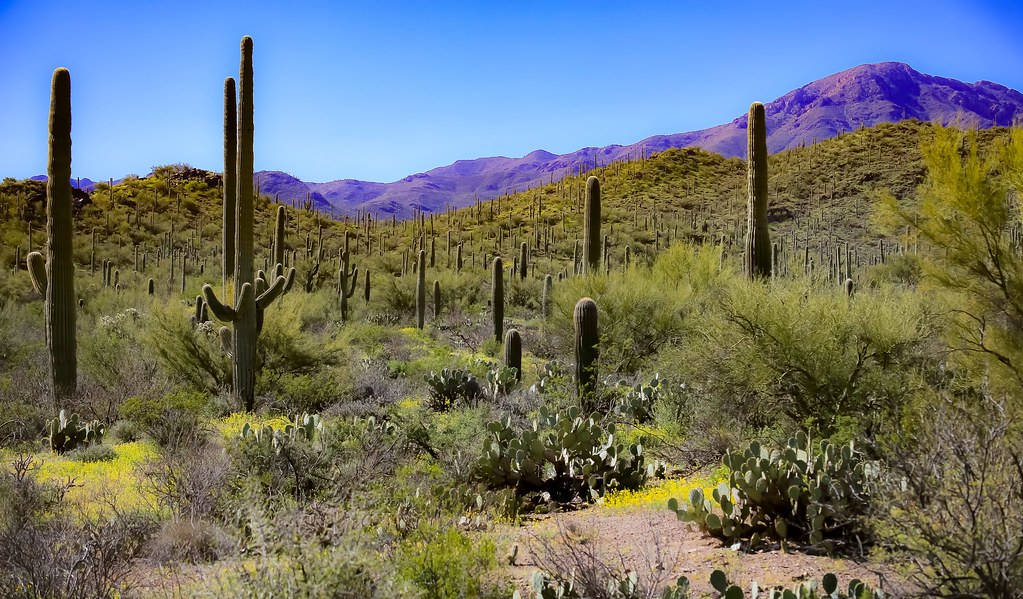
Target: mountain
861 96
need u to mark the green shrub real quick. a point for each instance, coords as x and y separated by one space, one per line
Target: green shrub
124 431
93 453
449 564
171 420
800 356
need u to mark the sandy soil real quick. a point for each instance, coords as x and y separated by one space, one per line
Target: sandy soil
660 548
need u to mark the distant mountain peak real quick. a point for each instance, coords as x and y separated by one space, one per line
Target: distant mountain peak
864 95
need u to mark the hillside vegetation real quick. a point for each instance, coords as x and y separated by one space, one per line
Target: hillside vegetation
384 408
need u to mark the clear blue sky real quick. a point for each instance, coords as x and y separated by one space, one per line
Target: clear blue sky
378 90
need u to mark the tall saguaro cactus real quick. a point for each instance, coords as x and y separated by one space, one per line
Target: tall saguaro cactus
252 296
591 227
757 257
546 298
278 247
437 300
230 160
346 282
513 352
587 340
497 298
421 290
53 276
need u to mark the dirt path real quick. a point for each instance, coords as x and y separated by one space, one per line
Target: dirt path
660 548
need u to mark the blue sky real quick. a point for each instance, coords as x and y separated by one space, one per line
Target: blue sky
378 90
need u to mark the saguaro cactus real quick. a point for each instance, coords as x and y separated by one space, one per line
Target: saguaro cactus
587 340
346 283
278 248
757 257
436 299
230 164
53 277
497 298
591 227
513 352
523 261
546 297
421 289
252 296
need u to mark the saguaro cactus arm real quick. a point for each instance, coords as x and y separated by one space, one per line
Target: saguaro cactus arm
220 311
37 272
274 291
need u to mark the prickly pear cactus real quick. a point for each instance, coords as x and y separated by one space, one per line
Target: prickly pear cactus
803 492
561 453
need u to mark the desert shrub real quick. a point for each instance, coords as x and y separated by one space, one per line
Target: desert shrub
115 363
797 355
123 431
962 211
562 456
22 422
188 540
642 310
285 349
448 564
93 453
343 456
395 297
173 420
188 354
806 492
949 508
522 294
303 571
311 392
189 482
45 552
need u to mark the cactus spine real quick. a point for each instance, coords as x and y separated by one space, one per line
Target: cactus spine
421 289
230 164
513 352
252 296
53 277
587 339
757 257
591 227
497 298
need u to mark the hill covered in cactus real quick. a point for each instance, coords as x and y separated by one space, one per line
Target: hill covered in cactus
865 96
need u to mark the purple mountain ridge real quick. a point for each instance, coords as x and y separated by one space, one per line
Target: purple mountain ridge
865 95
861 96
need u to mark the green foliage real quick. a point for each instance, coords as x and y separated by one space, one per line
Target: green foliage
170 420
803 492
810 355
93 453
449 564
563 454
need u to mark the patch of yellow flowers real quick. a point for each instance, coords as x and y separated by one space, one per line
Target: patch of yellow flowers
657 494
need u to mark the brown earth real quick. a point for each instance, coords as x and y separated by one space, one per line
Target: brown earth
660 548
